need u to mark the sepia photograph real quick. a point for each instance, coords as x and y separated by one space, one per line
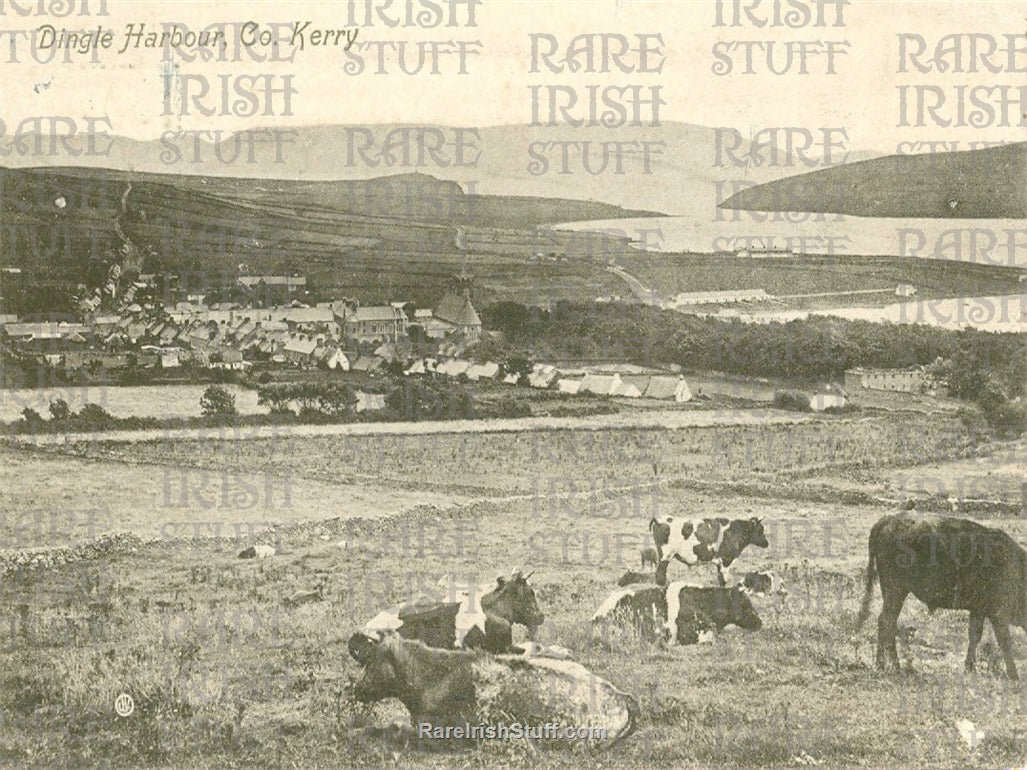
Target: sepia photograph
513 384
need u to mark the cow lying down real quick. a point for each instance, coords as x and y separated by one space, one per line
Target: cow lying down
679 613
465 617
759 583
454 688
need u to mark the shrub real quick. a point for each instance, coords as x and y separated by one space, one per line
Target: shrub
423 400
217 400
94 417
509 406
31 416
793 400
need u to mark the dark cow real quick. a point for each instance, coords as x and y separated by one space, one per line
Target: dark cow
716 541
680 613
946 563
470 620
455 688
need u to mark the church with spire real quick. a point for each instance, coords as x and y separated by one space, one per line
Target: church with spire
456 312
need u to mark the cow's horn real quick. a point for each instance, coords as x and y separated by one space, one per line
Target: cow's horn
516 572
529 574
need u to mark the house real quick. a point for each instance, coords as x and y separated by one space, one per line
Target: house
898 380
905 290
417 367
568 386
512 379
374 322
369 402
542 376
334 358
663 387
486 371
170 358
632 387
367 364
828 397
600 384
453 368
299 350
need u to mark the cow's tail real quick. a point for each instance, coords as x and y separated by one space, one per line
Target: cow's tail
868 588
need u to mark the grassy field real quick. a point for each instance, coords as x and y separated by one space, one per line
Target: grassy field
226 670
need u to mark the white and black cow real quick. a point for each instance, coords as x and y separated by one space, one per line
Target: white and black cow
714 541
765 582
466 618
680 613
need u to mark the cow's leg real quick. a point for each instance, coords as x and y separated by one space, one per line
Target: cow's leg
1001 629
661 573
723 572
887 627
976 626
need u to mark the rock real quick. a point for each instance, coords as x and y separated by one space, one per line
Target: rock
257 552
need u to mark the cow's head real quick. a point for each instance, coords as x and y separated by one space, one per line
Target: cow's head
741 612
757 536
661 534
514 600
381 677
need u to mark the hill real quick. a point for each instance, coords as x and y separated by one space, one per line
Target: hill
973 184
376 239
687 165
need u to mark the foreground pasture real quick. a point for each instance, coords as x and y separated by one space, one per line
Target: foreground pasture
225 671
244 663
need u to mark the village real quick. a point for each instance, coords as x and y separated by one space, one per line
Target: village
263 330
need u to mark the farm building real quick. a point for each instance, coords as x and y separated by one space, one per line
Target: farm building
568 386
898 380
828 397
668 388
685 299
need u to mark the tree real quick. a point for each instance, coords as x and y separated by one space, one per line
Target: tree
59 409
216 400
275 396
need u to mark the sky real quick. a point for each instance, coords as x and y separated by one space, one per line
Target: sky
862 95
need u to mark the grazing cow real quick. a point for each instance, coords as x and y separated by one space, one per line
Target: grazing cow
456 688
470 620
650 557
946 563
717 541
678 612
